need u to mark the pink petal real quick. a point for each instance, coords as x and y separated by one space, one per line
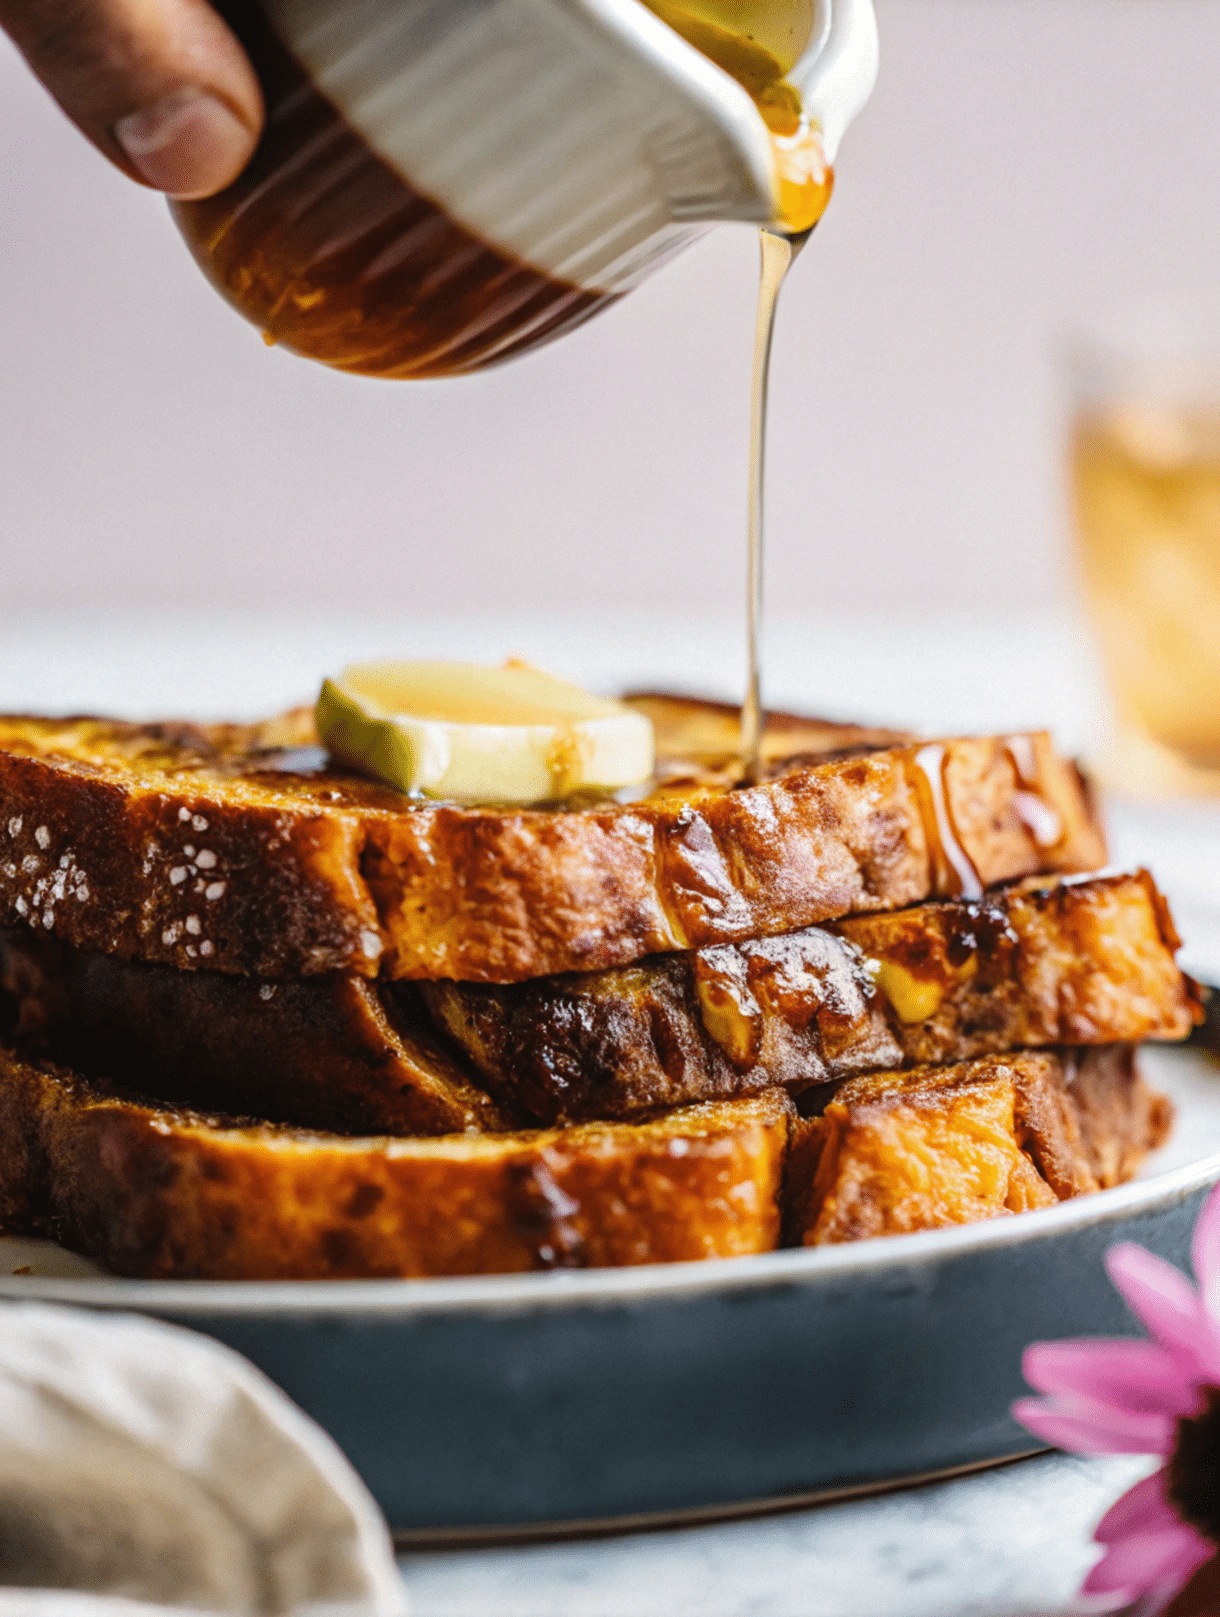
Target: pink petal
1139 1377
1086 1427
1148 1561
1142 1509
1164 1300
1179 1573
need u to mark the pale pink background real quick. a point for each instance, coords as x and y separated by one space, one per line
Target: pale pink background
1021 160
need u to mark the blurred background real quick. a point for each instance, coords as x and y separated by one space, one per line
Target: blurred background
1021 161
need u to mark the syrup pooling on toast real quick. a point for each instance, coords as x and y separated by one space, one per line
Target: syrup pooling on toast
953 870
330 251
1040 818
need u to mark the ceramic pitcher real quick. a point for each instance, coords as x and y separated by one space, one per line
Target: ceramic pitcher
443 184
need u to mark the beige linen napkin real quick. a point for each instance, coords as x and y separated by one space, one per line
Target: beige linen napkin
140 1462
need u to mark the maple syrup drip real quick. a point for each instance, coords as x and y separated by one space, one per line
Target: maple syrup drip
731 34
330 252
953 871
1040 818
777 253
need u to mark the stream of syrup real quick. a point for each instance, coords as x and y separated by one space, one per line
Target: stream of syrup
757 42
777 252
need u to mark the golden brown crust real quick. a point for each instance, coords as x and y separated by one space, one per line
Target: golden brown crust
699 738
934 1146
159 1194
322 1052
733 1019
205 848
1121 1117
1087 962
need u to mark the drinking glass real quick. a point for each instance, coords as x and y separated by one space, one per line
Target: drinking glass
1145 478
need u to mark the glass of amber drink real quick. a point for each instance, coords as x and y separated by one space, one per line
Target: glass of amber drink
1145 469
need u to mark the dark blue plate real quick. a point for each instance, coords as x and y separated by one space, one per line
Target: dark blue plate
578 1396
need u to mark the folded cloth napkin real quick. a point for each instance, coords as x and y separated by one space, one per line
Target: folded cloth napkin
140 1462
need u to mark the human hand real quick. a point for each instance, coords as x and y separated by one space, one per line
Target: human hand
162 87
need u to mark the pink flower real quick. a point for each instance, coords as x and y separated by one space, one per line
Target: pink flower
1160 1397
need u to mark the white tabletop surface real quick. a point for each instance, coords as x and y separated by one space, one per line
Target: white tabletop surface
1011 1542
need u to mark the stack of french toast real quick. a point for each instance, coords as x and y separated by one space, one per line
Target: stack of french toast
264 1018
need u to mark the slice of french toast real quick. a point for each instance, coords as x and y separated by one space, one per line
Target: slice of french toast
1045 963
153 1192
932 1146
332 1052
700 740
1080 962
234 848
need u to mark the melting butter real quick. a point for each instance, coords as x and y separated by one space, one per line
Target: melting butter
914 999
481 735
729 1011
917 998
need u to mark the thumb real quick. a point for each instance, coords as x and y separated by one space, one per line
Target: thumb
162 87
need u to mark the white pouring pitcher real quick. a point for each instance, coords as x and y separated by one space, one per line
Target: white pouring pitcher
446 183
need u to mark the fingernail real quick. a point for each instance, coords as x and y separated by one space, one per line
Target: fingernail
189 144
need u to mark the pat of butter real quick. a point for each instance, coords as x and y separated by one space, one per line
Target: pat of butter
481 735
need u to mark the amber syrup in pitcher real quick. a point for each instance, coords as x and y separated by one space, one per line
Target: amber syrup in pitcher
324 246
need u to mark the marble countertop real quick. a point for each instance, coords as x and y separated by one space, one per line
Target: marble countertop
1009 1542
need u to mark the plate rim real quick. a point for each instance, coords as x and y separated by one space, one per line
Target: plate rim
564 1289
